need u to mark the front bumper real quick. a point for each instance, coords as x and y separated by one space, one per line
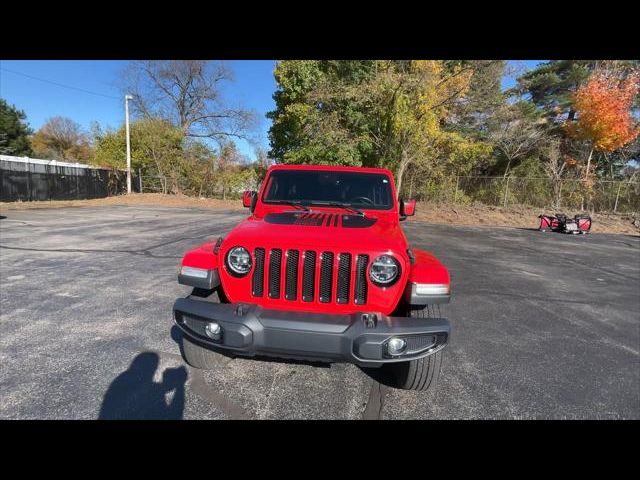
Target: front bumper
359 338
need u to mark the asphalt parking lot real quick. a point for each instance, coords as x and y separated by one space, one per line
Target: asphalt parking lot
544 326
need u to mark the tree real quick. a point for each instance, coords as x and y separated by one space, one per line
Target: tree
197 166
551 85
14 131
61 138
261 164
187 93
316 119
604 119
515 132
472 113
556 166
156 146
227 168
368 113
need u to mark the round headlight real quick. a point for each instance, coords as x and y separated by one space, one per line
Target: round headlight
239 260
384 270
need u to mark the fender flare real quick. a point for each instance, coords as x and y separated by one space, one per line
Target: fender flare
427 271
204 258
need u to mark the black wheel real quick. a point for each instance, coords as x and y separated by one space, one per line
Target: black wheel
199 355
421 374
202 357
211 296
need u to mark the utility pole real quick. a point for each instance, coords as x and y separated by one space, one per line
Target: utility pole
126 110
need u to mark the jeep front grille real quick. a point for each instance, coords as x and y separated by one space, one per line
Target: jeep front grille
275 264
327 277
308 276
291 277
257 281
361 280
344 278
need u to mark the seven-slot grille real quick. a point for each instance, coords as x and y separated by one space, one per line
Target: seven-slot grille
332 284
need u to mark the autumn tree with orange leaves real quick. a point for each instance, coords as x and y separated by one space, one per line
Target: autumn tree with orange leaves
604 119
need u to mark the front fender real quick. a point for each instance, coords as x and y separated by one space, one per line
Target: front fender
429 280
201 258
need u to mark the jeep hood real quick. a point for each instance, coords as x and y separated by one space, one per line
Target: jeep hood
332 230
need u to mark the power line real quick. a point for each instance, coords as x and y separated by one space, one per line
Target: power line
59 84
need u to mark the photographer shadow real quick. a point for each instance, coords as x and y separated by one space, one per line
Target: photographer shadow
133 395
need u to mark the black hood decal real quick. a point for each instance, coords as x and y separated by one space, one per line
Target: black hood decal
320 219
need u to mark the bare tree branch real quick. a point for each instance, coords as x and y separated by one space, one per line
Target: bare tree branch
187 94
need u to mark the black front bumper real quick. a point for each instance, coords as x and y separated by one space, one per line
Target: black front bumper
359 338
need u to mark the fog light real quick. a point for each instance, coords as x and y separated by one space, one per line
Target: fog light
396 346
212 330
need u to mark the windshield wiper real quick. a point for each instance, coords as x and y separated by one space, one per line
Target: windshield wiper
293 203
346 206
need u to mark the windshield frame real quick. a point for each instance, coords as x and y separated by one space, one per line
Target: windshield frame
322 203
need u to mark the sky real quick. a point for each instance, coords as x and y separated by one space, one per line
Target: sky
86 91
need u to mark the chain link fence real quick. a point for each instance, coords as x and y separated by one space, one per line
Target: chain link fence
542 192
203 188
546 193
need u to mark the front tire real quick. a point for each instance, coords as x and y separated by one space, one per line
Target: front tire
210 296
421 374
202 357
195 354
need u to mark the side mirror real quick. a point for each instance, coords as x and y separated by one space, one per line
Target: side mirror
248 199
407 208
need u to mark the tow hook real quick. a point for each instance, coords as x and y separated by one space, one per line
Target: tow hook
370 320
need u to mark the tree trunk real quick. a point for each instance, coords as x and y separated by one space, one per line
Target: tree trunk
506 170
586 173
586 181
404 162
557 193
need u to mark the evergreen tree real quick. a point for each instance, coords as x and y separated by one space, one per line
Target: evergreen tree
14 131
551 85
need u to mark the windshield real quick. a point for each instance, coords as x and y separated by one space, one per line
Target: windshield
323 187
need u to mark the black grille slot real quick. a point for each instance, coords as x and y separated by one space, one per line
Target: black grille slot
291 278
344 278
361 279
328 287
257 281
418 343
308 276
275 263
326 277
196 326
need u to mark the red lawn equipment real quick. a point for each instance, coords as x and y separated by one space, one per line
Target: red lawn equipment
561 223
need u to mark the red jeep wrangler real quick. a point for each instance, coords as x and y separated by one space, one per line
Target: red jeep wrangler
320 271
